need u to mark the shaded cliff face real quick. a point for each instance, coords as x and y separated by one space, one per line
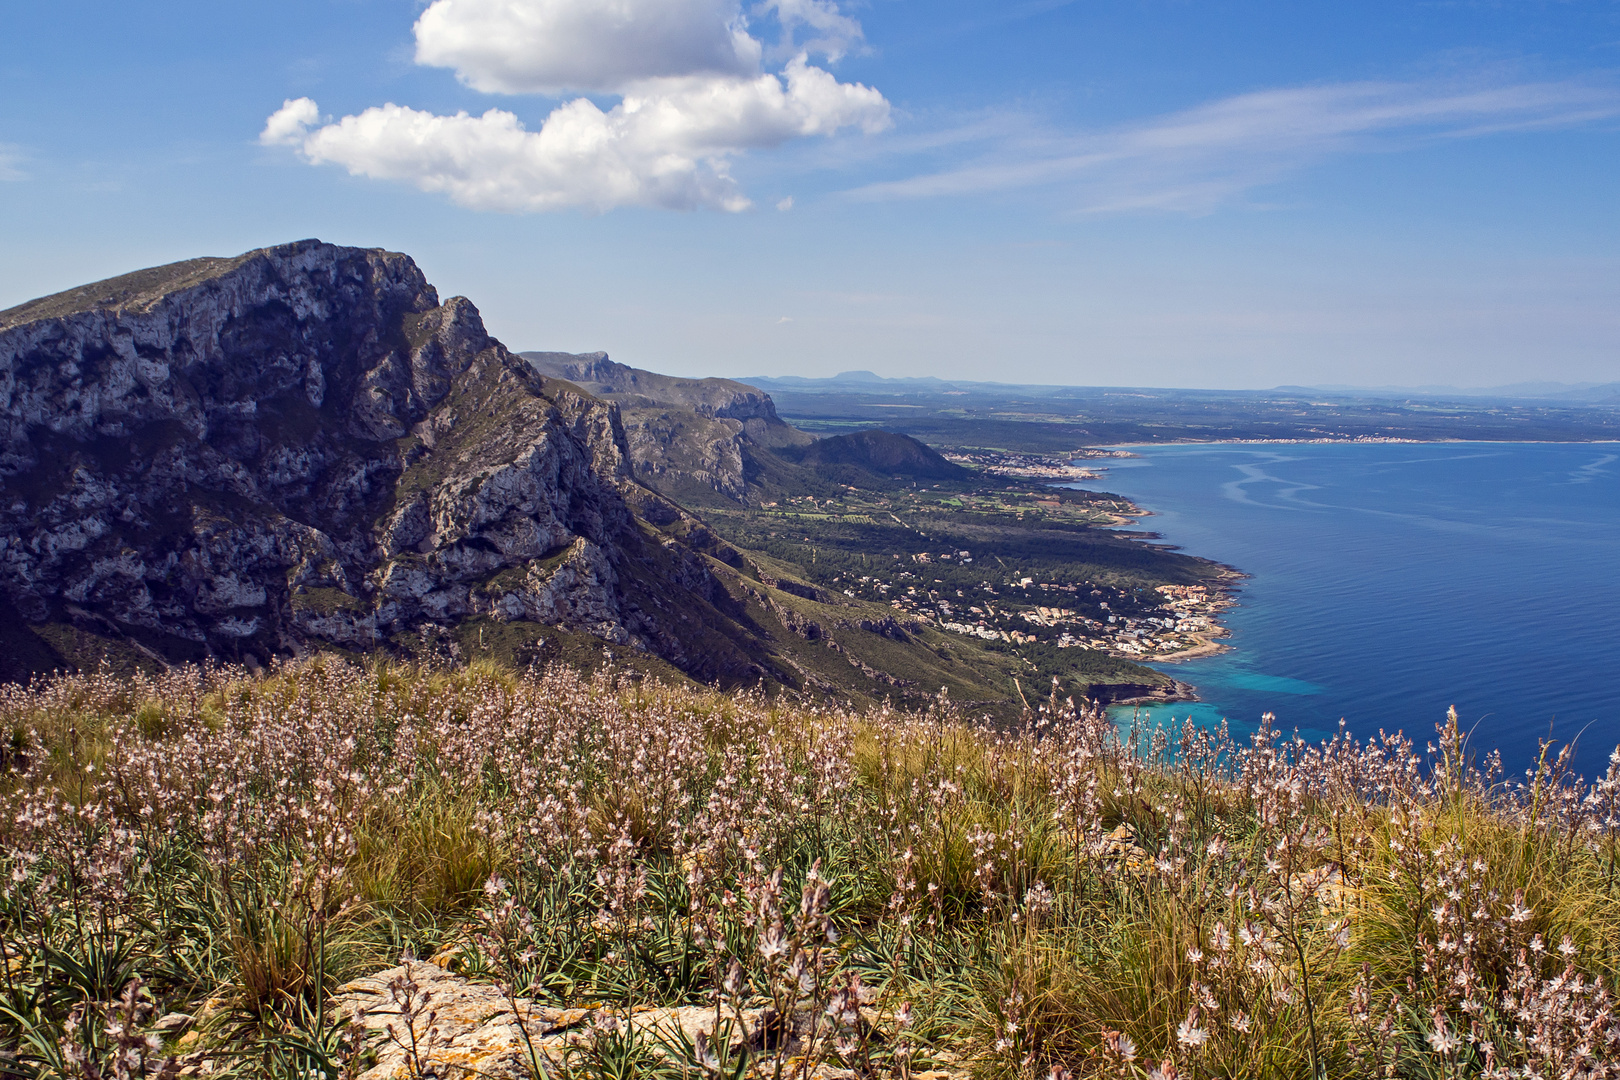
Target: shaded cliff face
696 438
240 457
724 398
687 437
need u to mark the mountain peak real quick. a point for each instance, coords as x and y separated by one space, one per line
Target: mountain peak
300 448
141 290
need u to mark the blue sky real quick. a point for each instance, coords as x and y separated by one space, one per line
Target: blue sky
1152 193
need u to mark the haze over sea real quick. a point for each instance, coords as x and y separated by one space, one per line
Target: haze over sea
1388 581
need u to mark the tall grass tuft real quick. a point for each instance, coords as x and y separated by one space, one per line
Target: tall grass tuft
1062 899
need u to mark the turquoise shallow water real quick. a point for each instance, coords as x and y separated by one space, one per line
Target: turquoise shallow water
1388 581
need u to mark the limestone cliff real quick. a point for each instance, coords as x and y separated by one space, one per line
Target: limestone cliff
303 445
685 436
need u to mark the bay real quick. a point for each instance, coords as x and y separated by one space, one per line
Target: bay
1387 582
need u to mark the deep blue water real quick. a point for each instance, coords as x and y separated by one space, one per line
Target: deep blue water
1388 581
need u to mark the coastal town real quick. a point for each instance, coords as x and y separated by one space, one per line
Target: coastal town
1168 622
1034 598
1047 468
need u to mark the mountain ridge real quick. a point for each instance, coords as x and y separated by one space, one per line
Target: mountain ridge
302 447
133 291
687 437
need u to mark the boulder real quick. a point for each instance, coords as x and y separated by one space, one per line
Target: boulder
421 1019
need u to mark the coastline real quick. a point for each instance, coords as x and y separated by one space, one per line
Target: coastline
1219 592
1288 655
1411 582
1176 691
1206 647
1116 449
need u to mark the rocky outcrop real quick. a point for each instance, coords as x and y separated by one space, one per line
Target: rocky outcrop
419 1019
1131 693
684 435
304 445
691 438
725 399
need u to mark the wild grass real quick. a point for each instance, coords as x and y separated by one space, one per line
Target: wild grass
1063 899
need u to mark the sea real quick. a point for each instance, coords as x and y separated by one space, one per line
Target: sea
1386 582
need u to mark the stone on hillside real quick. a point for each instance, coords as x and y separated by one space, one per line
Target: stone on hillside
423 1020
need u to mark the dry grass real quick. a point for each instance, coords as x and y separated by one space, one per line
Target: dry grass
1060 897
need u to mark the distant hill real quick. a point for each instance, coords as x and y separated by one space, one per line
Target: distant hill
723 399
1564 393
866 384
859 380
691 438
878 453
1062 419
688 438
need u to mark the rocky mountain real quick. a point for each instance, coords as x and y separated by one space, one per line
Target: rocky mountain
723 399
695 438
305 447
687 437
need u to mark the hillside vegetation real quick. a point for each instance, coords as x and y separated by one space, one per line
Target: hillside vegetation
192 862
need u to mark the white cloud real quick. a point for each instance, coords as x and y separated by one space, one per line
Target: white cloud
581 157
785 205
666 146
692 97
832 32
550 46
289 125
1193 160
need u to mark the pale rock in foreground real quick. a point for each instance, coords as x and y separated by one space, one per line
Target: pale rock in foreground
477 1030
